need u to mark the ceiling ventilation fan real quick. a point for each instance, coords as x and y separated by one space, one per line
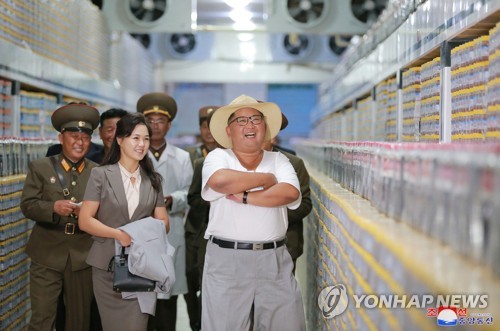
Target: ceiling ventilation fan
296 45
183 43
183 46
147 11
307 12
338 44
312 16
145 16
367 11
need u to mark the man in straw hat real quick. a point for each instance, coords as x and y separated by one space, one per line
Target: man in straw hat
247 267
175 167
57 247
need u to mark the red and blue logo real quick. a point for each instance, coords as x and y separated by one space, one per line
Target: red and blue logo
447 316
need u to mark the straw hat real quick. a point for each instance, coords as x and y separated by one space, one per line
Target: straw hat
270 110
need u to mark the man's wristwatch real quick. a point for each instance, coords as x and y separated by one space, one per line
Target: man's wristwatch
245 196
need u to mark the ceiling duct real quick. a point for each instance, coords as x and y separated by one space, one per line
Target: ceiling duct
313 16
144 16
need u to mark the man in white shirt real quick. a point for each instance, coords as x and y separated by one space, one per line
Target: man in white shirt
248 270
175 167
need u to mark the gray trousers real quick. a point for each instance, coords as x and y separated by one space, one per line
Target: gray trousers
234 280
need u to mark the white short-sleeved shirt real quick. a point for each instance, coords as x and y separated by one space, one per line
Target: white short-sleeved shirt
236 221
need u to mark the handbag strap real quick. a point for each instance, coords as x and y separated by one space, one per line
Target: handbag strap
122 257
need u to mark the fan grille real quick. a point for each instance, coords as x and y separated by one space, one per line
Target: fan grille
295 44
147 11
183 43
306 12
367 11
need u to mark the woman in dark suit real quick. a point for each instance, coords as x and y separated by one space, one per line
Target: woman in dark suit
124 189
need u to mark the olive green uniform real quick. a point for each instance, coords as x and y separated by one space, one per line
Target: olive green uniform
57 247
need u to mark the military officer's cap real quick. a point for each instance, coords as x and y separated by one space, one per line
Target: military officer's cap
78 117
205 112
157 103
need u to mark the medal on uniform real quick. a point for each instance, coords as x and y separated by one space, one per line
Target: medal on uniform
52 179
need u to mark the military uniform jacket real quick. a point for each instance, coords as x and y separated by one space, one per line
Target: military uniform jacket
196 152
197 219
47 246
294 234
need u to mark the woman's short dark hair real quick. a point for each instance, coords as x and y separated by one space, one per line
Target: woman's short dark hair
124 128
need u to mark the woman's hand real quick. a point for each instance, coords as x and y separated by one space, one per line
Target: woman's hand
123 238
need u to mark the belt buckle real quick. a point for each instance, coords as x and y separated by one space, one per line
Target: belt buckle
69 228
258 246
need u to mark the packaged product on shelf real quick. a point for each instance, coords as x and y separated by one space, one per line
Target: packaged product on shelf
493 86
469 77
411 104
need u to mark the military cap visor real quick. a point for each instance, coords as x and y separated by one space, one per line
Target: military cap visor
75 117
157 103
206 112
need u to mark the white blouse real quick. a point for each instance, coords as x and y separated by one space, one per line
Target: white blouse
131 184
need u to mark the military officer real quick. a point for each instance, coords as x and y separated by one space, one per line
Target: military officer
294 232
174 165
57 247
196 222
208 142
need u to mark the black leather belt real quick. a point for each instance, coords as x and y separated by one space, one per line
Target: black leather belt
67 228
243 245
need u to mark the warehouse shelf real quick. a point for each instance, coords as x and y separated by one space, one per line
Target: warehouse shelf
414 42
352 243
24 66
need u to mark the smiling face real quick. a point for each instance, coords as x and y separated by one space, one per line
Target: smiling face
248 137
107 131
74 144
135 146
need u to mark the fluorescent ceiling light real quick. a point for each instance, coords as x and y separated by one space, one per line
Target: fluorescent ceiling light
239 15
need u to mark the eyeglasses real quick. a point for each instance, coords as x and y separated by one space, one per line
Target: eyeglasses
243 120
160 121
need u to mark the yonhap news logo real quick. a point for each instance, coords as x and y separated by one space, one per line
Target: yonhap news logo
333 300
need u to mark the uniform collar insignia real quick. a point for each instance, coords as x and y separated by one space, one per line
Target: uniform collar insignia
68 165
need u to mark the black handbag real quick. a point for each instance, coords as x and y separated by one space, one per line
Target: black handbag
123 280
